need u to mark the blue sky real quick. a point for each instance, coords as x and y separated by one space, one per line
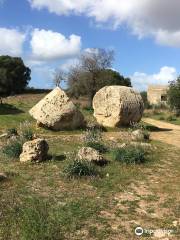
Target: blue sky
48 35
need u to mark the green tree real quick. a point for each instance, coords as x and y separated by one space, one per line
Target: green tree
174 95
92 73
14 75
145 100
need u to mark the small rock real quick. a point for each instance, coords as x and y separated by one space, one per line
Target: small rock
4 135
34 151
89 154
137 135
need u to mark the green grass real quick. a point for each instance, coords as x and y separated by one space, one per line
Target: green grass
38 202
163 116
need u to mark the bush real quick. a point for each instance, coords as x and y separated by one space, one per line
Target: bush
97 146
88 109
174 96
26 131
79 168
93 134
146 134
28 134
162 118
170 118
130 155
13 149
12 131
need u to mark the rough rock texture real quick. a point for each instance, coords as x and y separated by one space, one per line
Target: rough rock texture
57 112
117 105
89 154
138 135
34 151
4 135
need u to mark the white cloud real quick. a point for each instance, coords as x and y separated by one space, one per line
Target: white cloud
158 18
68 64
49 45
141 81
11 42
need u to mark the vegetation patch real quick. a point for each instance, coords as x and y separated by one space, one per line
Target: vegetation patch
130 155
80 168
13 149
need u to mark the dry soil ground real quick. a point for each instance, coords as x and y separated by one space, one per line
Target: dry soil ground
169 133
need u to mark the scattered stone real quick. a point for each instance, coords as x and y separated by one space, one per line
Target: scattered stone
4 135
89 154
57 112
117 105
138 135
34 151
3 177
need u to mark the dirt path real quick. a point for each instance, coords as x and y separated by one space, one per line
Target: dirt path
168 133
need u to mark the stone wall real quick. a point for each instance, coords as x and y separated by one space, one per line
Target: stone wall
157 94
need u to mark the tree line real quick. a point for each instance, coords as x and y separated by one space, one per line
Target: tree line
92 71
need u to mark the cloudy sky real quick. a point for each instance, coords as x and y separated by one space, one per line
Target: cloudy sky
50 34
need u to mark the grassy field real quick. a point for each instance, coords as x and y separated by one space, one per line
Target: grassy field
163 115
37 202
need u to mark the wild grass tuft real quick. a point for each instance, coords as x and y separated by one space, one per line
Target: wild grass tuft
80 168
130 155
13 149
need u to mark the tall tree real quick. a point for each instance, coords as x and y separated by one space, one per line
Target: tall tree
174 95
14 75
93 72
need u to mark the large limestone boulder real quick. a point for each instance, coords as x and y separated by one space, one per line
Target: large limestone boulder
57 112
34 151
115 106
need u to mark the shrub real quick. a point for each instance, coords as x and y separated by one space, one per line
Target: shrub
130 155
146 134
162 118
26 131
97 146
13 149
12 131
92 134
170 118
28 134
88 109
174 96
79 168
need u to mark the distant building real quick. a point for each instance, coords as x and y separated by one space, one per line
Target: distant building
157 94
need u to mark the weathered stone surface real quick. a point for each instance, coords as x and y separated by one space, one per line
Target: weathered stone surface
57 112
34 151
157 94
117 105
89 154
138 135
